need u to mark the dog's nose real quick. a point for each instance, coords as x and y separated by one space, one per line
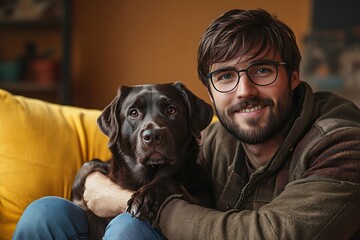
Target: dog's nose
153 136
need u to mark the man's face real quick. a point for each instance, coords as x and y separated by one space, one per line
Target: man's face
254 113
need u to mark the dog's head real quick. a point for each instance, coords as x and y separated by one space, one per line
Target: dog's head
153 123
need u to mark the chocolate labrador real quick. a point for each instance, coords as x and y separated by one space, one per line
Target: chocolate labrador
153 135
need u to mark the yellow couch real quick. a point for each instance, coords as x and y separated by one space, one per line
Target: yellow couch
42 146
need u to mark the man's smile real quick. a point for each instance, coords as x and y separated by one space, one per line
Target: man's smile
250 109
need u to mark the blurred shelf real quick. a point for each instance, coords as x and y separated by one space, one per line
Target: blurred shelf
55 92
48 92
29 87
30 24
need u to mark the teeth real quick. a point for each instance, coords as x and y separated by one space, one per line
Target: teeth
247 110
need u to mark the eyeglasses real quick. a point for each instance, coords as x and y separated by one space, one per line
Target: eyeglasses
261 73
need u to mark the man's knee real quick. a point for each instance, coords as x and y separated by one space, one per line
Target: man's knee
51 208
126 227
49 214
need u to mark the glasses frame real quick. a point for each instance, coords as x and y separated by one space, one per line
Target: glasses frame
275 63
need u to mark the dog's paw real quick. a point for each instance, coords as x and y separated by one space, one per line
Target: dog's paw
79 182
145 203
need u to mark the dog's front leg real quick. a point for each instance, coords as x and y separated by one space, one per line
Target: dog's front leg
145 203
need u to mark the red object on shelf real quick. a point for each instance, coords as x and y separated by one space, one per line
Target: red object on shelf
43 71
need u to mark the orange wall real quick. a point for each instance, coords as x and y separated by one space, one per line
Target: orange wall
119 42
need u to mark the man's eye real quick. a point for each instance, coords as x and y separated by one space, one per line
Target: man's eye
133 113
171 110
225 76
262 70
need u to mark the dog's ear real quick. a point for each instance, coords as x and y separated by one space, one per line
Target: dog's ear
200 112
109 119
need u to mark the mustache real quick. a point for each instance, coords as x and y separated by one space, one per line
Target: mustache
250 102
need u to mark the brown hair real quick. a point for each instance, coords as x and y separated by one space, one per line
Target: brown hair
237 32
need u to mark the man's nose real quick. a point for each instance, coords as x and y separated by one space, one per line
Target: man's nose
246 88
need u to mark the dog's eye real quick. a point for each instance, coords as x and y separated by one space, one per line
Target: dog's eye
171 110
133 113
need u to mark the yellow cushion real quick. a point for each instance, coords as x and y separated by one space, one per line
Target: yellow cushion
42 145
214 119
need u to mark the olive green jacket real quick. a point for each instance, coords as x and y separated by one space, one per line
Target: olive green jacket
310 189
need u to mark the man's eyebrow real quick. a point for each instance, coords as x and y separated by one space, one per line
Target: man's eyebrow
235 68
224 69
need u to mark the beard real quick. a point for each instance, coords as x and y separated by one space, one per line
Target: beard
275 123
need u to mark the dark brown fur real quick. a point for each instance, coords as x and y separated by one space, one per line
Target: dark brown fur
153 135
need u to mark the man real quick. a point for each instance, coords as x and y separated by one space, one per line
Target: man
285 162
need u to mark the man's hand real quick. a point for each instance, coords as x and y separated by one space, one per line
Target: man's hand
103 197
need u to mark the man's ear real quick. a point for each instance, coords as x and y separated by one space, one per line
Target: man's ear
295 79
200 113
109 119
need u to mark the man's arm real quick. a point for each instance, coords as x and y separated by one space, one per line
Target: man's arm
321 203
307 209
103 197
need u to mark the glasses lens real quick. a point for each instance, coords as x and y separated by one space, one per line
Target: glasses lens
225 80
263 73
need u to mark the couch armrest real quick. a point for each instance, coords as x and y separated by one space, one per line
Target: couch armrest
42 146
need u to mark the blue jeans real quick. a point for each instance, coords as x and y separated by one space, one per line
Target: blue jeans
58 218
